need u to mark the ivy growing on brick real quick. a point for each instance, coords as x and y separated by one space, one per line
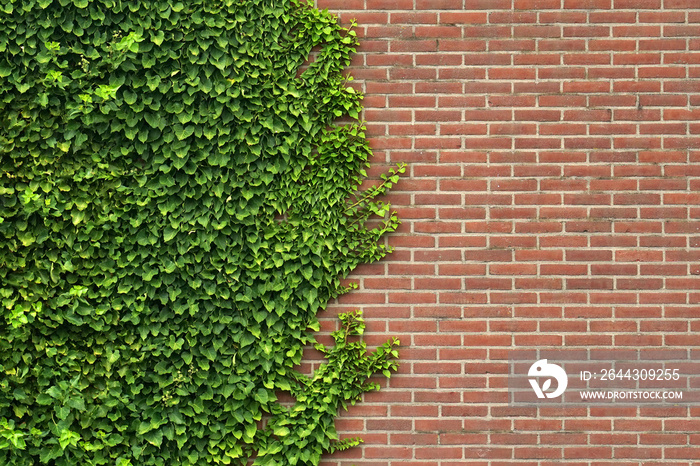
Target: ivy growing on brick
177 204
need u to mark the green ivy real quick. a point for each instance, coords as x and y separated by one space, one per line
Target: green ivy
176 206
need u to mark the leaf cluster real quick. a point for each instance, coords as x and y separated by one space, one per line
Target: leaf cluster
176 205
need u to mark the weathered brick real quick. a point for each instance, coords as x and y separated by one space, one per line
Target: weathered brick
550 200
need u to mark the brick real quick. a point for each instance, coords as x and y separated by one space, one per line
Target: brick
490 31
637 4
587 59
587 4
615 17
458 45
463 17
537 31
387 4
562 45
516 17
536 4
586 31
537 115
407 18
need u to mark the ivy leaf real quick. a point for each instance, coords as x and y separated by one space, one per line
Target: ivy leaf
158 38
155 438
54 392
177 205
68 438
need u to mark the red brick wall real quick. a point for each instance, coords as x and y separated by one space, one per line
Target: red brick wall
552 200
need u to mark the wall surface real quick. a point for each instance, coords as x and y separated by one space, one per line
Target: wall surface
552 199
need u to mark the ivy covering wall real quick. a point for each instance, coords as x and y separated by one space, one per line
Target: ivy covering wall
176 205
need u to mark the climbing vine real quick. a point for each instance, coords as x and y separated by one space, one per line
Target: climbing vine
177 204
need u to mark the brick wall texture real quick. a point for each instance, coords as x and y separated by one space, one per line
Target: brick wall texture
552 199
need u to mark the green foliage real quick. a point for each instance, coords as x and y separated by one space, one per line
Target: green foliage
176 205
